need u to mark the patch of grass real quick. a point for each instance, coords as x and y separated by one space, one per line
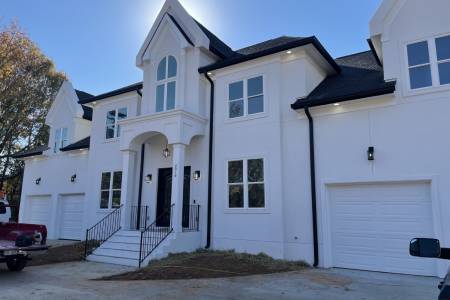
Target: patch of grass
210 264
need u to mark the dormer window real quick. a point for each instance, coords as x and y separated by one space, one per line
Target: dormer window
61 139
112 117
166 84
429 62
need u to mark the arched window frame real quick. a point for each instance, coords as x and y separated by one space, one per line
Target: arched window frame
165 90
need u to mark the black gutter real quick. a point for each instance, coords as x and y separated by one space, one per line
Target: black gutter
369 41
141 179
130 88
210 161
139 92
389 88
294 44
312 165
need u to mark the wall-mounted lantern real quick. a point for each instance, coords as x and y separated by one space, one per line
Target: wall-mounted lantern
38 180
371 153
166 152
196 175
73 178
148 178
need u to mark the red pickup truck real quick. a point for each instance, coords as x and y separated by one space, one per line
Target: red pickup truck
18 241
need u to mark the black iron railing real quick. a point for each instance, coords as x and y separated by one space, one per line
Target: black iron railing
103 230
139 217
154 234
191 217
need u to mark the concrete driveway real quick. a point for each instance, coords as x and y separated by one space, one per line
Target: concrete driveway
72 281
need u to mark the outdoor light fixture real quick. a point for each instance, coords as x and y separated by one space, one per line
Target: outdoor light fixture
148 178
336 104
196 175
38 180
73 177
289 52
209 73
166 152
370 153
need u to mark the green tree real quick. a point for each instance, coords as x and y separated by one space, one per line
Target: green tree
28 85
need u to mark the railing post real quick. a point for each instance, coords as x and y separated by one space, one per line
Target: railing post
86 244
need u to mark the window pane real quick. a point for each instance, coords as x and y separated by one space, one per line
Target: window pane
111 117
106 178
236 196
160 98
418 53
57 140
117 180
122 113
236 90
255 104
235 171
444 73
172 67
420 77
115 199
443 47
161 73
171 95
256 195
255 86
109 131
104 199
255 170
236 108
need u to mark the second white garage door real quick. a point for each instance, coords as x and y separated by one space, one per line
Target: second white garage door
71 217
372 224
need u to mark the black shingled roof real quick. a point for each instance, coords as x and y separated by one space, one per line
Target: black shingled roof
81 144
128 88
32 152
269 47
215 44
361 77
87 111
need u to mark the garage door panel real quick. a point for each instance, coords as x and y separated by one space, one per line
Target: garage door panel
39 211
72 208
372 224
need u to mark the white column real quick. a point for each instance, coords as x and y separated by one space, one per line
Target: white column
177 186
128 176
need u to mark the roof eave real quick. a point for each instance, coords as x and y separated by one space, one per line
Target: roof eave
121 91
389 89
240 59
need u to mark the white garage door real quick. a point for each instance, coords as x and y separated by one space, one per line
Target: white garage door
372 225
71 217
39 211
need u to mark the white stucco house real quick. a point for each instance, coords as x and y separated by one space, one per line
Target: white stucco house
276 148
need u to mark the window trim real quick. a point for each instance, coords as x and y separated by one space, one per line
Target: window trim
246 115
116 134
110 190
433 62
165 82
61 140
245 183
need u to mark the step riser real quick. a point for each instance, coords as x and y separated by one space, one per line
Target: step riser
113 260
121 246
125 239
117 253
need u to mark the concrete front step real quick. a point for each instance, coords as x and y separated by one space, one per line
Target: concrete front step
113 260
121 246
134 233
117 253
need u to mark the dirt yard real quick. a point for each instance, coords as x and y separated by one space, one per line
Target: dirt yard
209 264
58 254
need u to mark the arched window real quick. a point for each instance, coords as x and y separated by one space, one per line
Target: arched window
166 75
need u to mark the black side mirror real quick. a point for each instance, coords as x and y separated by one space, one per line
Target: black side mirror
423 247
2 208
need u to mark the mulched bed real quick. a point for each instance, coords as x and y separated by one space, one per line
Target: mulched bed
59 254
209 264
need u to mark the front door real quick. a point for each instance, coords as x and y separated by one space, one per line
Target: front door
165 193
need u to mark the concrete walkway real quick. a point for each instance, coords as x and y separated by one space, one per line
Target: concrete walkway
72 281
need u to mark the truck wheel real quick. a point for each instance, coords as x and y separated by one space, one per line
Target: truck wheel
16 264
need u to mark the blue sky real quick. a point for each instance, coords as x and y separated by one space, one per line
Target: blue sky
95 42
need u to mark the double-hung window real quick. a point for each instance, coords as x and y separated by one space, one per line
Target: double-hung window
429 62
110 189
61 139
166 84
112 117
246 97
246 183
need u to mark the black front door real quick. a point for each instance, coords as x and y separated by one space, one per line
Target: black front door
165 193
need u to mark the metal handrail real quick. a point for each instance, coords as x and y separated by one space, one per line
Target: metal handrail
138 218
102 230
190 219
153 235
